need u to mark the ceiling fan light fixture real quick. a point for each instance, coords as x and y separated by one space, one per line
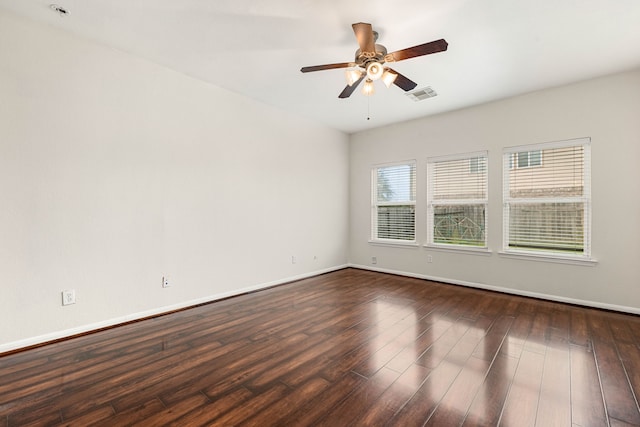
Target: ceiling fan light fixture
374 71
370 59
388 78
353 75
368 88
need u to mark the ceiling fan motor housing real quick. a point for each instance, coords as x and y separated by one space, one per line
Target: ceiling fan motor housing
362 59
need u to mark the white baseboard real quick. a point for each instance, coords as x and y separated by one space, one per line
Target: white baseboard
556 298
28 342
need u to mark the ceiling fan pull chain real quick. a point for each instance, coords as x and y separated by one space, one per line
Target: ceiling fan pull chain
368 108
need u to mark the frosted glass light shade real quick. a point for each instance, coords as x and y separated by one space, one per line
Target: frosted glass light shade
374 71
353 75
388 78
368 89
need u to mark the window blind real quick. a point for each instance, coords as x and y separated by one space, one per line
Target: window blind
547 203
457 200
394 199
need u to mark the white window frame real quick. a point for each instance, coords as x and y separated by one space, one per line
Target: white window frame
432 204
375 204
509 158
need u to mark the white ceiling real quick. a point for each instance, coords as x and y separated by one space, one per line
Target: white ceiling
497 48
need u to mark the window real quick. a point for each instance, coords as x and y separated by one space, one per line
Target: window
457 200
477 165
547 208
394 202
525 159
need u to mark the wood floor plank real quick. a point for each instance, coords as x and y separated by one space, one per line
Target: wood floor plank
619 400
131 394
420 407
617 423
486 408
377 337
396 396
629 356
308 367
298 359
443 345
521 405
204 414
388 351
465 386
246 372
620 330
91 417
174 412
309 413
407 356
518 333
579 331
560 323
537 338
252 406
114 387
634 325
274 414
554 407
241 359
41 414
492 341
134 415
350 347
451 410
350 410
587 406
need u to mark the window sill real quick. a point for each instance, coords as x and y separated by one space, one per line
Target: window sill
459 249
549 258
408 244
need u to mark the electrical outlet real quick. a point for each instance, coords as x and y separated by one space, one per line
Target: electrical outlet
165 282
429 258
293 260
374 260
68 297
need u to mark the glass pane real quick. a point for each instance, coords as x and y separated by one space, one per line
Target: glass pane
535 158
561 174
396 183
523 159
459 225
396 222
477 164
459 179
555 227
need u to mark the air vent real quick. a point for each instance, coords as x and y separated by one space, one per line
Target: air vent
421 94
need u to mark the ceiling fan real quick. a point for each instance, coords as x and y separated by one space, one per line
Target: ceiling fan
370 59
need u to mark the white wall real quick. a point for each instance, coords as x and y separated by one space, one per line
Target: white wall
115 171
605 109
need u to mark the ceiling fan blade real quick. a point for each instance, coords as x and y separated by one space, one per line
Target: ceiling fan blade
324 67
403 82
421 49
364 35
348 90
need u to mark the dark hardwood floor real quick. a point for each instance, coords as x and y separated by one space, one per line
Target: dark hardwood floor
348 348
